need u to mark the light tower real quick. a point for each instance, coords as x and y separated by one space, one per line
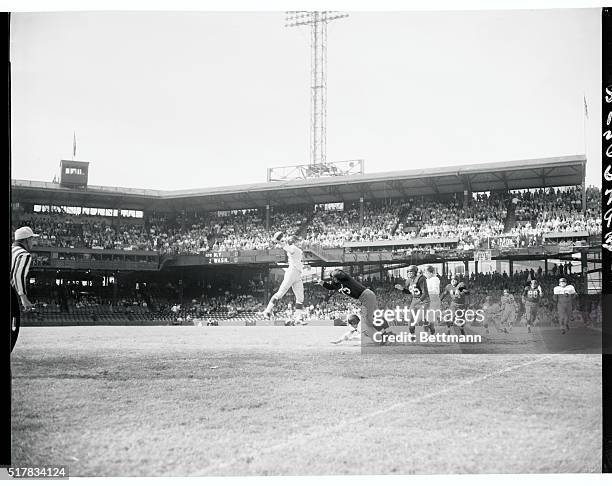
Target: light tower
318 66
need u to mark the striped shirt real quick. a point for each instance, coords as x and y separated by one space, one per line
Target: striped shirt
20 265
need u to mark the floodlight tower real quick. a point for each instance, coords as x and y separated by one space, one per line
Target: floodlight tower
318 66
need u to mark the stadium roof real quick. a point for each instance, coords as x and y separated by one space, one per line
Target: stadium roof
522 174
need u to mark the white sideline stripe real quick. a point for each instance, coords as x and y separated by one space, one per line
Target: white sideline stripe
297 439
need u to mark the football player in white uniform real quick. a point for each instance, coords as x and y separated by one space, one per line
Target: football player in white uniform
293 275
565 295
433 288
508 310
492 315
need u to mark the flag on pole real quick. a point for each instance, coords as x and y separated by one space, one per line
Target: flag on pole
73 145
586 109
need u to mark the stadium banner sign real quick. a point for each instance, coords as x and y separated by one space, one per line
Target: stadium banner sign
221 256
504 242
563 235
398 242
197 260
227 258
482 256
93 251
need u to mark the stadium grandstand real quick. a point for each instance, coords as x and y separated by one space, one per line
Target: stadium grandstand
120 255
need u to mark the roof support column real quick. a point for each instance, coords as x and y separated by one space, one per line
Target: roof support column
266 283
361 212
146 215
467 191
267 217
584 201
584 267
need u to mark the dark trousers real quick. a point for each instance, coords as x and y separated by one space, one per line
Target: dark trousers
15 317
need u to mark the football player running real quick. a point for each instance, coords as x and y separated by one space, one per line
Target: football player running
416 287
456 291
293 275
508 310
492 314
532 294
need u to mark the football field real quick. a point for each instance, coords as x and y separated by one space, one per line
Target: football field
181 401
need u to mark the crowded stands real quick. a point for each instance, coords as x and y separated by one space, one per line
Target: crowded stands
515 219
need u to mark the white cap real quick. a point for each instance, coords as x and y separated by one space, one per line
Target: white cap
23 233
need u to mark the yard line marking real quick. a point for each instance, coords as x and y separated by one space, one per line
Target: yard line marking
322 431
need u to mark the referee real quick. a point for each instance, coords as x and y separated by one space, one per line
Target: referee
20 265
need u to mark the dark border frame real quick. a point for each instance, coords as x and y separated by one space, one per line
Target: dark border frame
606 184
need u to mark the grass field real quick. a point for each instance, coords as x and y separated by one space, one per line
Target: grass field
151 401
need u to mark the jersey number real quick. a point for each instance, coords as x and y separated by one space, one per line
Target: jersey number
344 290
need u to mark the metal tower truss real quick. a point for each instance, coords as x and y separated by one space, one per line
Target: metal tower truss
318 65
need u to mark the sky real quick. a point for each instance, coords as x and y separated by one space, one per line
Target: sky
180 100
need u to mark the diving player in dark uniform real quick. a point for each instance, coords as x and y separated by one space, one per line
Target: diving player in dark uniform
416 286
342 282
457 292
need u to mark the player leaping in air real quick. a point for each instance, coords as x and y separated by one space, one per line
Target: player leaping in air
293 275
